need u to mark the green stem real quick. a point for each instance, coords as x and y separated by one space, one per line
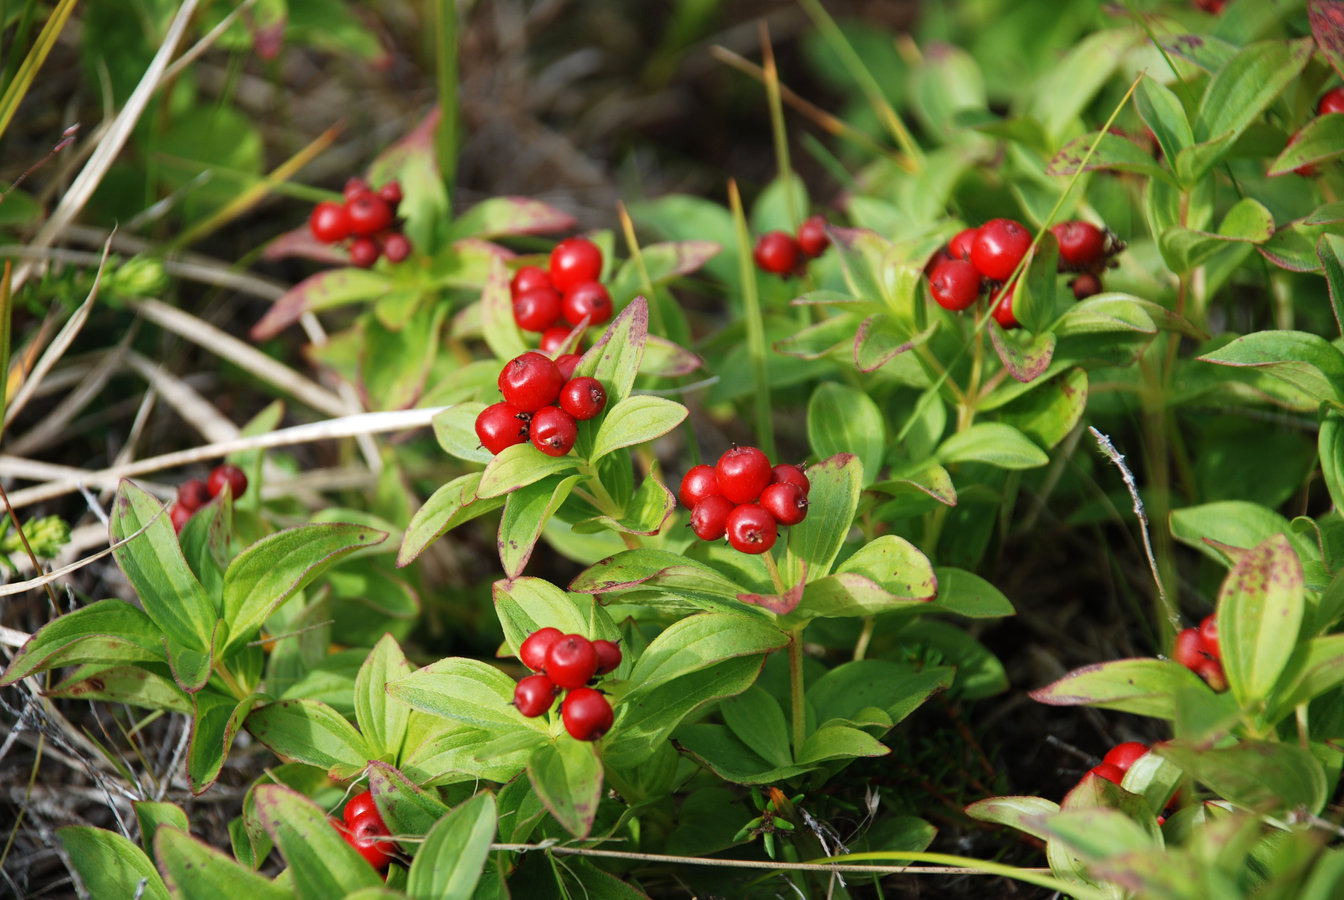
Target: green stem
865 637
755 323
597 495
777 131
796 686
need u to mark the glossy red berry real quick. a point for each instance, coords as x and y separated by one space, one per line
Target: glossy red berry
193 494
709 517
937 260
1208 635
1081 244
369 213
227 474
557 338
574 261
178 515
500 425
354 186
698 483
553 431
528 278
743 472
788 474
368 838
587 714
960 245
1122 756
1189 649
534 695
530 381
391 194
571 660
1001 306
812 239
329 222
586 300
999 246
566 362
955 285
370 850
1331 102
1085 285
396 247
786 502
751 529
1111 773
583 398
364 252
777 252
360 806
1211 670
536 309
532 651
608 656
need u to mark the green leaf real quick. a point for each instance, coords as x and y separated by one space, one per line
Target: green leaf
1247 84
1321 669
405 807
1024 361
518 466
525 604
109 864
136 685
567 776
1210 527
325 290
636 420
195 871
465 690
967 594
1049 413
832 502
1319 141
676 575
993 443
844 419
879 339
449 863
215 723
1071 83
1146 687
699 641
311 732
839 742
273 568
526 512
105 631
757 720
895 688
154 565
451 505
1330 251
150 815
455 430
1026 814
506 216
381 720
1260 609
614 360
497 322
190 667
1113 152
647 510
1163 113
1248 221
1034 303
847 596
895 564
321 864
1269 777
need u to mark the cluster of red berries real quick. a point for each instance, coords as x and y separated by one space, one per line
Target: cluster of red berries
565 663
780 253
367 218
543 403
568 289
194 493
1197 649
1331 102
363 828
987 256
1118 760
745 498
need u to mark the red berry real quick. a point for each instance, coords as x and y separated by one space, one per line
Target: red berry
955 285
193 494
742 472
1208 635
574 261
360 806
1081 244
528 278
227 474
960 245
1211 6
533 649
557 338
1331 102
530 381
1085 285
571 660
553 431
566 362
396 247
787 474
534 695
936 260
777 252
1189 649
364 252
329 222
999 246
373 854
1113 774
1122 756
391 194
500 425
709 517
367 838
698 483
369 213
354 186
178 515
1211 670
536 309
587 714
583 398
786 502
812 239
587 300
751 529
608 656
1001 304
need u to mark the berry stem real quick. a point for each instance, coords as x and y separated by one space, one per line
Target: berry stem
773 568
756 349
796 694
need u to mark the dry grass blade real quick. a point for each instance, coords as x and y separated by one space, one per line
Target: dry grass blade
23 78
194 409
55 423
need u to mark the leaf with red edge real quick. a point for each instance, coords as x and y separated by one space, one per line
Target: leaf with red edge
1327 27
325 290
1330 251
503 216
320 862
413 162
1113 152
1146 687
567 776
1024 362
779 604
881 338
299 243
